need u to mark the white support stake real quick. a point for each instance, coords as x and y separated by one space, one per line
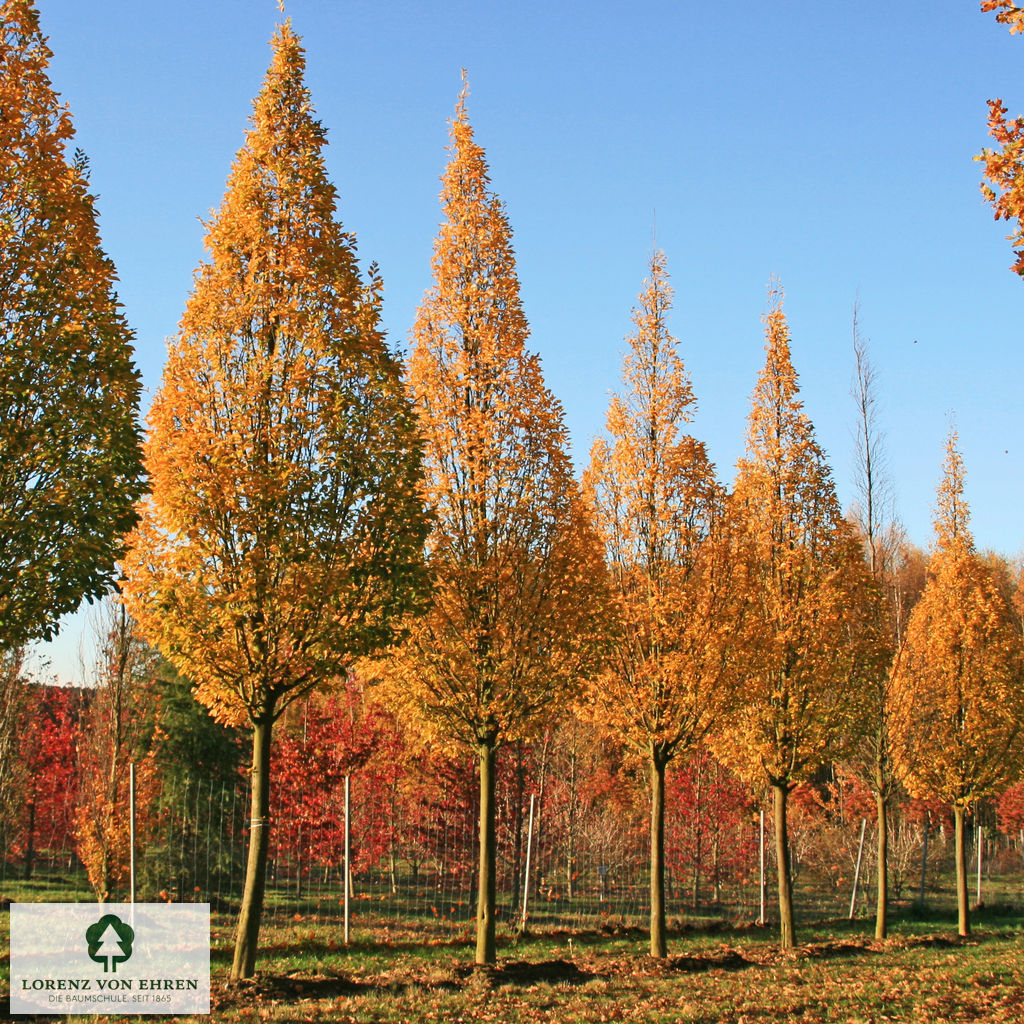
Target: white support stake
348 850
981 838
760 919
131 830
856 873
529 850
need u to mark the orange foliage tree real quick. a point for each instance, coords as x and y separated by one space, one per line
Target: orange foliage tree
512 555
116 732
959 692
657 502
70 465
807 600
285 530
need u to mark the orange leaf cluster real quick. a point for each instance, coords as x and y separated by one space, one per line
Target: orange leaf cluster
1004 167
1007 13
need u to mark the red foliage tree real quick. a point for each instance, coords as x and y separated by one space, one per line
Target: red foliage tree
709 839
48 728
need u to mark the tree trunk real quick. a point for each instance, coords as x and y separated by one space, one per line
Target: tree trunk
517 831
247 935
787 934
570 854
30 849
486 952
658 945
963 917
881 908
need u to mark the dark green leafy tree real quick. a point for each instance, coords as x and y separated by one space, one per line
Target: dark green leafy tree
70 468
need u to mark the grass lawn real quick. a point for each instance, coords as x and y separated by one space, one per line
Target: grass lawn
713 974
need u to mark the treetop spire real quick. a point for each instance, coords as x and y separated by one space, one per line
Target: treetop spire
952 513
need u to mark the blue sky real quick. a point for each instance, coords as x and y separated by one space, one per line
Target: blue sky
828 143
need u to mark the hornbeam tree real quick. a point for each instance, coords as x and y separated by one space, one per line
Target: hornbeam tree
513 558
117 730
285 530
657 502
807 602
880 535
70 464
958 683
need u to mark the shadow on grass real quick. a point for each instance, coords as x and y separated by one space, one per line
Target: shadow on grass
526 972
300 987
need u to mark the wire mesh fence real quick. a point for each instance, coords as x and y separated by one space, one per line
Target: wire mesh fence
414 863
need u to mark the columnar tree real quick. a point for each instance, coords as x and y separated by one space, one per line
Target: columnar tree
881 538
657 502
959 678
513 558
117 731
70 468
284 534
805 601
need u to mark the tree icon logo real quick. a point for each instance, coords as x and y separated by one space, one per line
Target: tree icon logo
110 941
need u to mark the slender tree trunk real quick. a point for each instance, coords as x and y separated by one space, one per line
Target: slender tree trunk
486 952
881 908
247 935
963 917
658 945
787 933
30 849
699 810
570 855
517 830
924 864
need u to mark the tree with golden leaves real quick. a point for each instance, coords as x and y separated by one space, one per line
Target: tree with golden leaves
284 533
807 602
657 504
959 677
70 460
513 558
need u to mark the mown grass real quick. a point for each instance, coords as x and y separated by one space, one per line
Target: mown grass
714 973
